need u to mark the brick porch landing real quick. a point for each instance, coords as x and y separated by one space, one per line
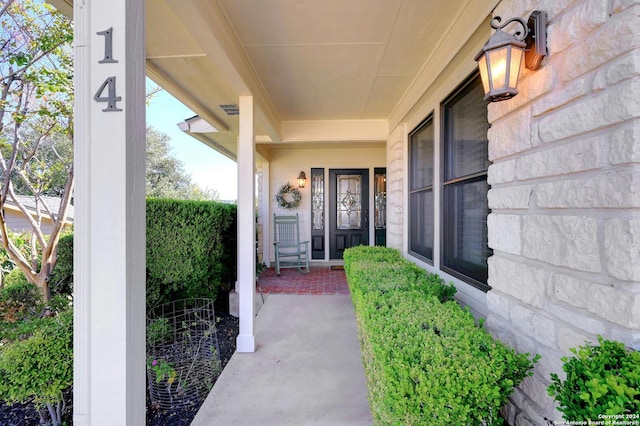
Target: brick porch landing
321 280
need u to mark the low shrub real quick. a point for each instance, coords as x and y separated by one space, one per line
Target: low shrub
40 368
602 381
426 362
19 299
383 269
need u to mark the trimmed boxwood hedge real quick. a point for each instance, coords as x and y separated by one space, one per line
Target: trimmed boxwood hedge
191 249
426 360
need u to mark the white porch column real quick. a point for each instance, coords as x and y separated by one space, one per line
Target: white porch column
246 341
266 217
109 248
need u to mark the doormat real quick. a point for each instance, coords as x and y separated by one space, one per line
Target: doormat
337 267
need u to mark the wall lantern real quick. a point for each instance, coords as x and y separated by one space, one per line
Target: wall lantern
302 180
501 57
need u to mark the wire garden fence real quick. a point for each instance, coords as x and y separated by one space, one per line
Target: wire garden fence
183 357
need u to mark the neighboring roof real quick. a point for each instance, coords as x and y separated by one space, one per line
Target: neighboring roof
30 203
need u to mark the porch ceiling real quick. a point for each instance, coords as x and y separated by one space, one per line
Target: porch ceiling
322 61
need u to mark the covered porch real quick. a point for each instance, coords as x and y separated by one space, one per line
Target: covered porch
288 86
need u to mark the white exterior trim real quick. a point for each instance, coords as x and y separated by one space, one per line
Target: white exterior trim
264 213
246 340
109 250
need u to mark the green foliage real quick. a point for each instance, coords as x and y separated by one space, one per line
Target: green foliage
20 330
190 249
159 331
15 277
61 278
21 241
601 381
162 370
19 299
427 362
165 174
36 111
40 368
382 269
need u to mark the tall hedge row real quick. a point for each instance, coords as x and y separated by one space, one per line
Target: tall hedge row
191 248
426 360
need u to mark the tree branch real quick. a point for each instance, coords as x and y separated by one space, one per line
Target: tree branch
5 7
14 253
36 228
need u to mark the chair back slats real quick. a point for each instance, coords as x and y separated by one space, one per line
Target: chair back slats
286 231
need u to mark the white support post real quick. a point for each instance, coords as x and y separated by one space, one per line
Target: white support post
109 247
266 217
246 341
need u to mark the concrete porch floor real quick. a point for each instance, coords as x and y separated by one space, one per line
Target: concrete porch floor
306 370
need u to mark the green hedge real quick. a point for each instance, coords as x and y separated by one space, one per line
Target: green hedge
427 362
191 248
40 367
61 278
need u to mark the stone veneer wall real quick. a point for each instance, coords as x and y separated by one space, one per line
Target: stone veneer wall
395 186
565 193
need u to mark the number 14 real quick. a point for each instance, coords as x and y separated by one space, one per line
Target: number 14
110 82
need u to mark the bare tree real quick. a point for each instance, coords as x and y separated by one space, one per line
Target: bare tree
36 111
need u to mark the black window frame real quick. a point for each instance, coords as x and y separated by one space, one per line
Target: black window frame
449 227
424 189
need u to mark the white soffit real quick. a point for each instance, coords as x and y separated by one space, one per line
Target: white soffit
304 61
336 59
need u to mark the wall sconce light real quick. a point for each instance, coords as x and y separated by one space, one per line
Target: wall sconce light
500 59
302 180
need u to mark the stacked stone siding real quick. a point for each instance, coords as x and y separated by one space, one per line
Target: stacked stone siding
565 194
396 167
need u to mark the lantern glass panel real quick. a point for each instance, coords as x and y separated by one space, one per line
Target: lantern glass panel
484 73
516 61
498 66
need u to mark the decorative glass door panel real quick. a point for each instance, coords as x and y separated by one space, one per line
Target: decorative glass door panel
380 204
317 213
349 209
349 205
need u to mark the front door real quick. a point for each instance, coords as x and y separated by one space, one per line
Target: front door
348 209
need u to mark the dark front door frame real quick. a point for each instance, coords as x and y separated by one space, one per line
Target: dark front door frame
341 239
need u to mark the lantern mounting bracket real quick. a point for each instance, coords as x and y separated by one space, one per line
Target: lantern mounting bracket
536 40
495 24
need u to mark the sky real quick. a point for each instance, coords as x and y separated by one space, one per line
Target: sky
208 168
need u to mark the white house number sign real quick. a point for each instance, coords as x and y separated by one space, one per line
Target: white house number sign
109 85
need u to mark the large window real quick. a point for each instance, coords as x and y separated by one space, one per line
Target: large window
465 162
421 190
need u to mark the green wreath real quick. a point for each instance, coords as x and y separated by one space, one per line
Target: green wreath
288 197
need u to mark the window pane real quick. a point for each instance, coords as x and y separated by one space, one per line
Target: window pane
465 207
466 129
421 215
421 157
421 220
465 228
